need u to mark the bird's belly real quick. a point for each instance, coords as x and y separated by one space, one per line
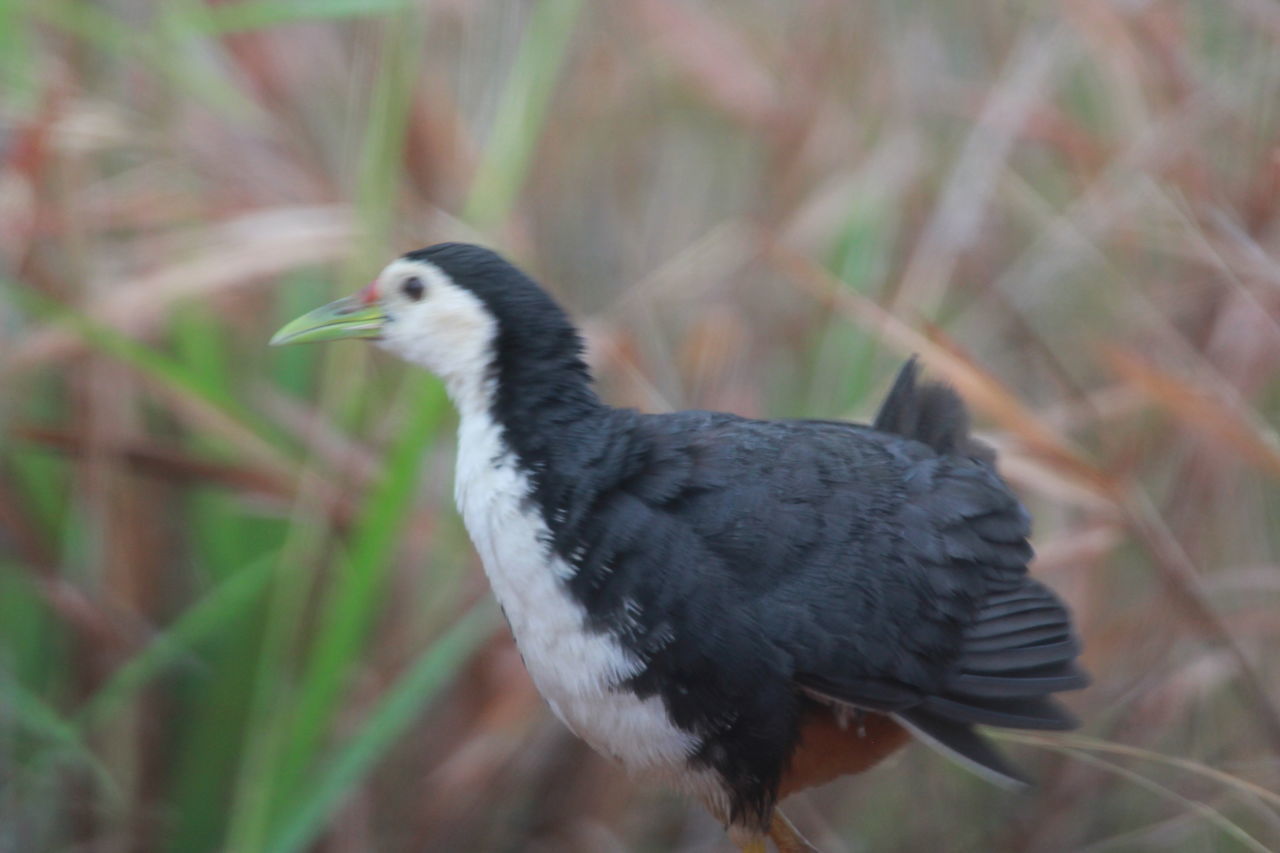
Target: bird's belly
581 673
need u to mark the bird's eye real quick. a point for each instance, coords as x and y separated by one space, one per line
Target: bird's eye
413 288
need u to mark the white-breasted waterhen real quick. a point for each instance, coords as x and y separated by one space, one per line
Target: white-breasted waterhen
741 608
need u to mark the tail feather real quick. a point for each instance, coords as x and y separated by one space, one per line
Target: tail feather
929 412
1020 648
1013 628
1039 712
1021 656
962 744
1027 632
1015 684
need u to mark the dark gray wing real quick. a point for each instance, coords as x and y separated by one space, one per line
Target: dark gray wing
752 567
1019 647
883 568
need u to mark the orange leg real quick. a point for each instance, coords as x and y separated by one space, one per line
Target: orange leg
781 831
787 837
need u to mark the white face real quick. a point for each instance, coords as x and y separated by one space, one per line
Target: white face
437 325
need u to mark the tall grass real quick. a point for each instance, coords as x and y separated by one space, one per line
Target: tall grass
237 610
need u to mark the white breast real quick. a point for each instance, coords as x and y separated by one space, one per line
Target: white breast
576 671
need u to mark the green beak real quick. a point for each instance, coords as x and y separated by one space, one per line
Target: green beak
350 317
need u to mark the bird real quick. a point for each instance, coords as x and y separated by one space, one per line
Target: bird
734 607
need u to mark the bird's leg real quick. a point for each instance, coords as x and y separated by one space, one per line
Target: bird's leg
786 836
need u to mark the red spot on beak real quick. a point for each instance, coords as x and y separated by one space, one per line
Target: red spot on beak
369 293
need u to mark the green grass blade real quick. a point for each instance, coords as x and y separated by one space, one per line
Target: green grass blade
382 157
521 112
288 726
17 66
95 25
200 621
146 43
31 637
200 345
33 715
260 14
205 390
843 363
266 729
388 721
362 577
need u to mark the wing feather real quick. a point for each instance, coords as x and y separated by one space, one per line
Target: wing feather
755 566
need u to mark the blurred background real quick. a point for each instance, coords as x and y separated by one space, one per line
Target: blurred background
237 609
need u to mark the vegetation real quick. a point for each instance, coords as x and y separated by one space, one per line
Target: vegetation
237 610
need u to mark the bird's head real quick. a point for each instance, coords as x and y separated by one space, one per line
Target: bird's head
461 311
